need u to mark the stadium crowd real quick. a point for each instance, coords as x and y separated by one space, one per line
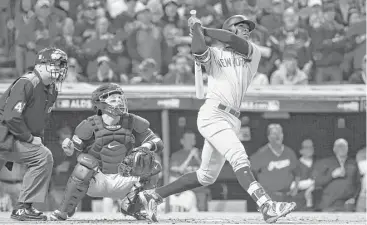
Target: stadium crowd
147 41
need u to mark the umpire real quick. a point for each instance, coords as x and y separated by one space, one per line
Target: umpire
24 109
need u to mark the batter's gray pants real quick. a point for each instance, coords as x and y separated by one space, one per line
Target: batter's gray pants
39 162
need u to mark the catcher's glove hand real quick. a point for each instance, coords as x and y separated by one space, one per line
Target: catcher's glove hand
138 163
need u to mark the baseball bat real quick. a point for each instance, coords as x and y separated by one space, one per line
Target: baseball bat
199 83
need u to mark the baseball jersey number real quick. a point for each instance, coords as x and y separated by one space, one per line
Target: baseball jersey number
19 107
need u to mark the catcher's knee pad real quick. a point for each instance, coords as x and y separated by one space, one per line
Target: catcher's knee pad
237 158
207 177
78 182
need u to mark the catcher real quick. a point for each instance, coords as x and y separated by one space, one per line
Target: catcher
108 164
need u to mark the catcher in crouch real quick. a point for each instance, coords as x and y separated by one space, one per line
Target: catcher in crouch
109 165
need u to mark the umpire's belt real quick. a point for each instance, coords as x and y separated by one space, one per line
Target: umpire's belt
11 181
229 110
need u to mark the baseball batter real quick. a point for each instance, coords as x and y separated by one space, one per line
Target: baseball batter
231 71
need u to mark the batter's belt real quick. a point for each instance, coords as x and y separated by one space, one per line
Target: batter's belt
229 110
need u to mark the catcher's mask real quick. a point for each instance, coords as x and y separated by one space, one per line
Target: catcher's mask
55 62
233 21
110 99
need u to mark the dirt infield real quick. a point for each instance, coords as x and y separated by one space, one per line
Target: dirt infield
204 218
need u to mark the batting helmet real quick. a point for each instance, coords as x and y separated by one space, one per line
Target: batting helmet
230 23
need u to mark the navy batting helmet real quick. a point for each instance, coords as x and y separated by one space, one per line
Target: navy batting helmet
230 23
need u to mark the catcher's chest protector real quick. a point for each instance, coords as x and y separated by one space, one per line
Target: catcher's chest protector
112 143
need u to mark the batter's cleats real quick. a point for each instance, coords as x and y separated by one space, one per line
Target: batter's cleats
27 214
272 211
150 200
57 215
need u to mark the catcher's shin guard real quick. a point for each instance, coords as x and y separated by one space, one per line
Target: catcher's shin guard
78 183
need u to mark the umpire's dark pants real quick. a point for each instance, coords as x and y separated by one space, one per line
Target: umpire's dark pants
39 162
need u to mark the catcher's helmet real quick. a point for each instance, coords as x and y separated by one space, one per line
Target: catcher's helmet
109 98
230 23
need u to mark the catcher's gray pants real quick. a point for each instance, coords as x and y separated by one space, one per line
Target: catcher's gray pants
39 162
112 186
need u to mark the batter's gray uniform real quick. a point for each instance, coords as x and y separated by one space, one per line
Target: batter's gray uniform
230 75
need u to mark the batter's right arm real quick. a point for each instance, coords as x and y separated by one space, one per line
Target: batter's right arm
198 45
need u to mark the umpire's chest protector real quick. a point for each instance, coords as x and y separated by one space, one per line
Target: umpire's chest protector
112 143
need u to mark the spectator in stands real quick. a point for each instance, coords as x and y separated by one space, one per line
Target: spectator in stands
125 20
273 19
337 177
104 71
174 27
96 46
290 37
276 166
156 8
85 27
342 10
58 13
341 130
306 184
67 41
327 46
117 51
260 79
362 168
146 41
180 71
11 181
24 12
74 72
259 36
38 34
359 77
148 73
289 73
187 160
357 33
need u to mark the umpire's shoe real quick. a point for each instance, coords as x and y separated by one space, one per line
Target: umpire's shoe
27 213
150 200
272 211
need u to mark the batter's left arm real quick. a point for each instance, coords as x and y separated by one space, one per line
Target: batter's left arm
239 44
145 136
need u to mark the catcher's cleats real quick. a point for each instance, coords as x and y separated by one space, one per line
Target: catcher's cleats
150 200
57 215
139 163
272 211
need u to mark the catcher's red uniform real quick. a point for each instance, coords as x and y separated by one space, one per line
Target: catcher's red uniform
102 149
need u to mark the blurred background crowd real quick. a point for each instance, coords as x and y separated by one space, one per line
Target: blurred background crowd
147 41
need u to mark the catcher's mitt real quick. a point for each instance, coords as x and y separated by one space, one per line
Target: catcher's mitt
138 163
